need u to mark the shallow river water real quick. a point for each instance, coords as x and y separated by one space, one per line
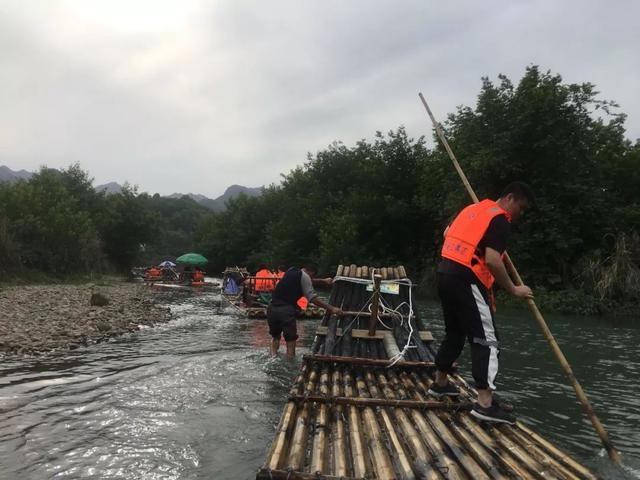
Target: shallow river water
199 398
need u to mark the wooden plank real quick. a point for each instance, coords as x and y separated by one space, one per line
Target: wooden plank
355 333
365 361
361 333
425 335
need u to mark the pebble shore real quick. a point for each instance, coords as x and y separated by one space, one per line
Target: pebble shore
41 318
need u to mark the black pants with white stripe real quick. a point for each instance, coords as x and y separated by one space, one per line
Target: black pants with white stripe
467 315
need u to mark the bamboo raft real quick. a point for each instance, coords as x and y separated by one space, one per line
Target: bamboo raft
251 309
261 312
173 286
359 410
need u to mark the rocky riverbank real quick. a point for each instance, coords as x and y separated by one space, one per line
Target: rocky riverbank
41 318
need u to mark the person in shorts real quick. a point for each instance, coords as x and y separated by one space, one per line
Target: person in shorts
281 312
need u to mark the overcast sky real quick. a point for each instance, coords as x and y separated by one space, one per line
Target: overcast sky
193 96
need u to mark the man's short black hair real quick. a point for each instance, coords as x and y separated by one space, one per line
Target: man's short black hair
520 190
262 266
310 267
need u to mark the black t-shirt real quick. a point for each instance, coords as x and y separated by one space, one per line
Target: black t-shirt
495 237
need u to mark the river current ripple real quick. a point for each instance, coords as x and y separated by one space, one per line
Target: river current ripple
199 397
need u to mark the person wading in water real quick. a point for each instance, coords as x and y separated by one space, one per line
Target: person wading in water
471 261
281 312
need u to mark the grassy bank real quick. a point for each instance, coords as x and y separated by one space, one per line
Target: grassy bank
568 301
573 302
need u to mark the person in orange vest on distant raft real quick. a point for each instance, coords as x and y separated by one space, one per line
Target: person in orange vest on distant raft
154 272
281 312
264 279
198 276
474 244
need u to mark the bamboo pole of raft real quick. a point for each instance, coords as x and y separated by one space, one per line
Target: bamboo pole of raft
427 432
382 402
537 466
614 455
285 426
422 456
379 456
320 433
480 438
375 300
447 433
299 439
358 451
553 452
403 464
339 446
266 474
558 469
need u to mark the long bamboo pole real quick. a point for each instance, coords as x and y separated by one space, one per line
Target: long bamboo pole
614 455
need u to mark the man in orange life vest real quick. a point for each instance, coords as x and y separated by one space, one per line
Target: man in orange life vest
471 261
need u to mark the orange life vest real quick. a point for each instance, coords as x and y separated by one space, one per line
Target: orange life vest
264 280
197 276
464 234
154 273
303 303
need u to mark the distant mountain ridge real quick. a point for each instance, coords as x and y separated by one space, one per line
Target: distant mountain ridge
8 175
216 204
108 188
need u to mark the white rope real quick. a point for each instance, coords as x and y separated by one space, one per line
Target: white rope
385 309
390 311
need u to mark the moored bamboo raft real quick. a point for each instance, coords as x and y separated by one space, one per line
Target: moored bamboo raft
360 409
245 303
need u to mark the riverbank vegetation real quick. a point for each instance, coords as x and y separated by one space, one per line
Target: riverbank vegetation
388 200
381 201
55 226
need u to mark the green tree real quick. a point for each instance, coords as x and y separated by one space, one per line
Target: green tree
126 223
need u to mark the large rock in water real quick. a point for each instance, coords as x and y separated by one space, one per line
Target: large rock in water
98 300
